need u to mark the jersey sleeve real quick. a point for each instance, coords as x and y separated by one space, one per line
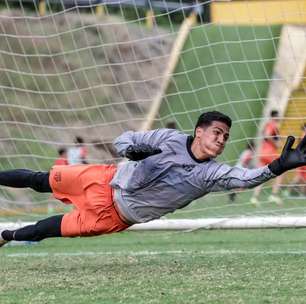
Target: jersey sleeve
153 138
224 177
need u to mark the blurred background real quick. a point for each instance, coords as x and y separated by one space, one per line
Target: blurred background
76 74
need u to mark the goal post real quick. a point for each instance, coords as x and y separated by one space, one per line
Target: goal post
94 69
173 59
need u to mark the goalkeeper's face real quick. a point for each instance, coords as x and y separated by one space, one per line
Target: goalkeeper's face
210 140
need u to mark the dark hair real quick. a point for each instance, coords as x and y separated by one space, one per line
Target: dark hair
79 140
207 118
171 125
274 113
61 151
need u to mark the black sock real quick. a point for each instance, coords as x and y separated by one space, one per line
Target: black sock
46 228
7 235
23 178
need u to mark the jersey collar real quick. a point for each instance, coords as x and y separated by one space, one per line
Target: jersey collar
188 146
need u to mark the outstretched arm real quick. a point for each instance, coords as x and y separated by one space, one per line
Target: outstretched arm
226 177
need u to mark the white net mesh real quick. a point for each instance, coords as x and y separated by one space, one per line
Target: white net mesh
79 69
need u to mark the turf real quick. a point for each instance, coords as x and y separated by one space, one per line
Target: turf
253 266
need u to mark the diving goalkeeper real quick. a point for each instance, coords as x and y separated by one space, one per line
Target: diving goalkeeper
167 170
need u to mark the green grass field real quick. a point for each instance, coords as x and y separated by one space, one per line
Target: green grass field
204 266
252 266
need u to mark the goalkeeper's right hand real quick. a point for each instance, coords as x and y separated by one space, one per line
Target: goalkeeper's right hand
290 158
140 151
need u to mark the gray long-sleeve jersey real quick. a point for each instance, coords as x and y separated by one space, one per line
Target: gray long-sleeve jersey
148 189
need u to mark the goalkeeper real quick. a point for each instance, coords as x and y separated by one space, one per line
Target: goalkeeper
167 170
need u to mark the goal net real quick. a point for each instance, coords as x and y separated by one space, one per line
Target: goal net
76 74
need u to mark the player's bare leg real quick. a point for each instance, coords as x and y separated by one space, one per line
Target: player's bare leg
254 198
274 197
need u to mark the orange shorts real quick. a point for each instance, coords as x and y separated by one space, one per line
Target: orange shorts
267 153
88 188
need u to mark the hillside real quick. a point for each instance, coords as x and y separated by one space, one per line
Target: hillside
73 74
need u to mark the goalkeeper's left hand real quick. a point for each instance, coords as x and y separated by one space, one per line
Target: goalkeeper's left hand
290 158
141 151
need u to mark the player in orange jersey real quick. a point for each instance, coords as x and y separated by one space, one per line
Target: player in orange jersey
62 157
267 153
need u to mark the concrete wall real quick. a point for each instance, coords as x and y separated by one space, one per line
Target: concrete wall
259 12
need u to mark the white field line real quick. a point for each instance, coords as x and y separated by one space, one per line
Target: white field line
153 253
